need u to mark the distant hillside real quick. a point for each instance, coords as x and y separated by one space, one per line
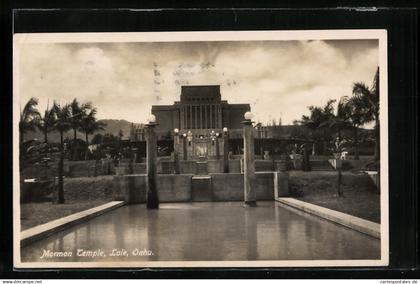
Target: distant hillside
113 126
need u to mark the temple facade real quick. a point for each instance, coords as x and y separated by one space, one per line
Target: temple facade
199 108
200 116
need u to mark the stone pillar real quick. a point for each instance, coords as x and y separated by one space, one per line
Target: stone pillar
184 146
249 164
152 198
217 148
176 152
225 150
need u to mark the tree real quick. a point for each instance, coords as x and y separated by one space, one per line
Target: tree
317 117
62 124
120 136
89 125
28 118
357 119
46 123
367 100
78 112
340 120
97 139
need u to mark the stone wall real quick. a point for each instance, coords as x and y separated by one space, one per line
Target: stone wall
130 188
230 187
264 183
235 166
178 188
187 167
215 166
174 188
227 187
264 165
171 188
92 168
281 185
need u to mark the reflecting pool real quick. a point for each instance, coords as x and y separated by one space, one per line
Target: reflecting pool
206 232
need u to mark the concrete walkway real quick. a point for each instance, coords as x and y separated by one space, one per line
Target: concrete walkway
42 231
364 226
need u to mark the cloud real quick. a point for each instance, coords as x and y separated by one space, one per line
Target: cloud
278 78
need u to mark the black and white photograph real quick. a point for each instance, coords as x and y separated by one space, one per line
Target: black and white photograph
200 149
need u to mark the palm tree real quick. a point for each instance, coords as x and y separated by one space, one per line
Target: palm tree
28 118
90 125
62 124
120 136
368 100
340 120
357 120
318 116
78 111
46 123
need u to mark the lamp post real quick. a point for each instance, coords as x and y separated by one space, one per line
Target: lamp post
250 199
225 150
151 145
217 147
184 146
176 145
215 143
189 139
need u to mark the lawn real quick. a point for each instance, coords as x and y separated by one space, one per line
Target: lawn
360 197
80 194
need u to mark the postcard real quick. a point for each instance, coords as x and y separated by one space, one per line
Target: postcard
200 149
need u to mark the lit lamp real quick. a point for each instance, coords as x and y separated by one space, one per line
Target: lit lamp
248 116
189 137
214 136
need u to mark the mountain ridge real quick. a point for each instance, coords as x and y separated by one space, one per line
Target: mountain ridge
113 126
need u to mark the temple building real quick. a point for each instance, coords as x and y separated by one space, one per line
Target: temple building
199 108
201 114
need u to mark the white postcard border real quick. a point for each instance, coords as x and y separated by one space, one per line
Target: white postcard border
379 34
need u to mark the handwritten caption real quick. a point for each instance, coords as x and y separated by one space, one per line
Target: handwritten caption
97 253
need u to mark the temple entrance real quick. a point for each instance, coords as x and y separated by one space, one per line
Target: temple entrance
201 149
199 145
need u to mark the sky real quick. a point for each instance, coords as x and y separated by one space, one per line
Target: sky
279 79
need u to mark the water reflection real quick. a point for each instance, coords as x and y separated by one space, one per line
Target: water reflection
205 231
